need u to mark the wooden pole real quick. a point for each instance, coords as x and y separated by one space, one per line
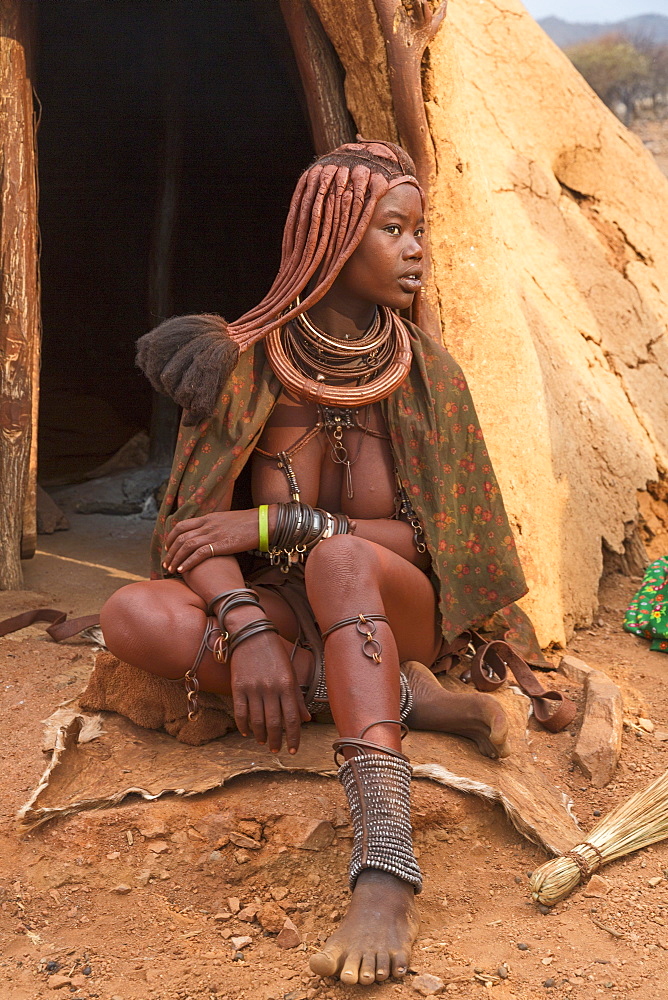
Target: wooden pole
19 287
321 75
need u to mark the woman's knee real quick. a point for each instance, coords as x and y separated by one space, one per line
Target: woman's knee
144 618
130 612
342 563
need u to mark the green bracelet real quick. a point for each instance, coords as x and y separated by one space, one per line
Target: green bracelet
263 527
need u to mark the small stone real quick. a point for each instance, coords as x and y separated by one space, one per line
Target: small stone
522 946
53 966
647 725
79 981
144 877
271 917
661 734
549 983
223 915
241 840
238 956
428 985
597 886
215 856
596 812
545 910
241 857
573 668
289 936
600 740
86 971
153 828
518 880
241 942
279 893
304 832
58 981
159 846
122 889
233 904
248 913
113 856
653 882
502 972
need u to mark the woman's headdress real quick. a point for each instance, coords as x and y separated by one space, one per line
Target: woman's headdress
190 357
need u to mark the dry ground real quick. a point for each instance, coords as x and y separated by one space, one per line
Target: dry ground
62 914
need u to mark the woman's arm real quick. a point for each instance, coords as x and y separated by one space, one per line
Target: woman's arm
194 542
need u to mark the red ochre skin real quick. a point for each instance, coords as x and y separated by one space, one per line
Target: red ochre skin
158 625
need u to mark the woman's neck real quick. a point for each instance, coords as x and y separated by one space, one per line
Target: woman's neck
342 318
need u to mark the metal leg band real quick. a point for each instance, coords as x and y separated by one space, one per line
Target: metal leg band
378 790
371 646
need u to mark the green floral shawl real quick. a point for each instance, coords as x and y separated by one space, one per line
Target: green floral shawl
440 453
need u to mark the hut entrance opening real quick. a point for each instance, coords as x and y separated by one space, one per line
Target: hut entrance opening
171 137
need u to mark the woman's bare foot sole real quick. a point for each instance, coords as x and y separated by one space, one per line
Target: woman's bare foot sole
476 716
376 935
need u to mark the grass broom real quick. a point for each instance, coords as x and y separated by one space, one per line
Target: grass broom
639 822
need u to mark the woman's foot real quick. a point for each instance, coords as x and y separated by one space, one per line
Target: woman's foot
478 717
376 935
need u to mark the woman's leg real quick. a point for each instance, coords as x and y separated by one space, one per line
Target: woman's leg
345 577
158 626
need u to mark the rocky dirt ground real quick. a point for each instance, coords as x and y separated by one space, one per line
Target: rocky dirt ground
181 899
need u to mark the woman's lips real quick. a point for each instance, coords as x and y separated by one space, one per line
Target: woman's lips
410 284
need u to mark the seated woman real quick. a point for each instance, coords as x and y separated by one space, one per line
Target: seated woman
376 528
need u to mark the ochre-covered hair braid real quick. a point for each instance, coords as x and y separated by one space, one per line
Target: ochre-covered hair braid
189 357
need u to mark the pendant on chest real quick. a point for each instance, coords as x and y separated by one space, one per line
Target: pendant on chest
336 420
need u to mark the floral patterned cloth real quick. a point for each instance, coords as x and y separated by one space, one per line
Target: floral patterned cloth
647 614
440 453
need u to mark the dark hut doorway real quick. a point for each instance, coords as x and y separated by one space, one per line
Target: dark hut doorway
171 136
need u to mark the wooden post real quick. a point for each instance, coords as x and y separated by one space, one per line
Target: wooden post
19 290
321 75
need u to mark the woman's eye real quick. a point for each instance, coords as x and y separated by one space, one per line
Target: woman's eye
394 230
419 233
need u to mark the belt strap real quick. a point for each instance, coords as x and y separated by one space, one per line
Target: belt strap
60 627
552 709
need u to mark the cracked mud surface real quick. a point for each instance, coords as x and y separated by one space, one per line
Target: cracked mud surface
139 901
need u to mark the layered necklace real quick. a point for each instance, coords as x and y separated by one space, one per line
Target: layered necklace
321 368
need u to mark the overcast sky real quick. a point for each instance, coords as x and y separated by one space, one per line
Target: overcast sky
594 10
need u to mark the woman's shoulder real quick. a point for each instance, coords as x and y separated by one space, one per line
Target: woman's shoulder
429 348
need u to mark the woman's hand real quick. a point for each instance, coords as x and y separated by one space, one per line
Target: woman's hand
221 533
266 696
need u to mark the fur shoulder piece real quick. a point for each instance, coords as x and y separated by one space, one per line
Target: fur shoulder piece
189 358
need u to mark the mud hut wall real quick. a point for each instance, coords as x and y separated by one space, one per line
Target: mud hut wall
566 356
19 312
548 225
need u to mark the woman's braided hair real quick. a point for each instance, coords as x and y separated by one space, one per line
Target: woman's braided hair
190 357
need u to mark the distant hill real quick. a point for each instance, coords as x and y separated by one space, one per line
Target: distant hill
651 26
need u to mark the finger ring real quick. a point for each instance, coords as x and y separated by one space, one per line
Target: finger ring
211 547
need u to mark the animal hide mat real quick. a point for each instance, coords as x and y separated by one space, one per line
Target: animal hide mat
98 760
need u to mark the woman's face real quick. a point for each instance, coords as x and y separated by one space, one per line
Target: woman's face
386 267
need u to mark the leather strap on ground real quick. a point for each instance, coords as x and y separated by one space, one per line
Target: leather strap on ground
489 669
60 628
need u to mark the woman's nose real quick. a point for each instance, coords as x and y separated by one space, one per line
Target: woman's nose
413 249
